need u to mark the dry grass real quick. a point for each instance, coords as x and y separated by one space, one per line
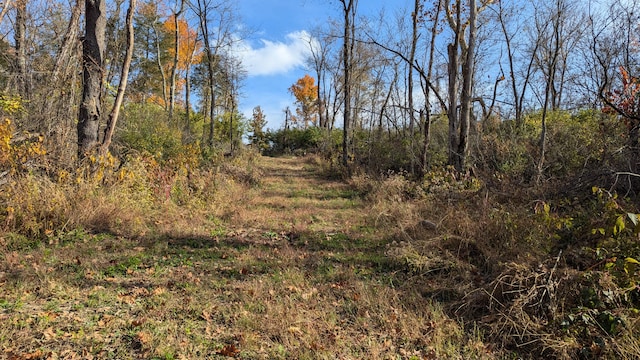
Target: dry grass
497 265
292 266
268 258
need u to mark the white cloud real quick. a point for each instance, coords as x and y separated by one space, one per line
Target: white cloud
272 58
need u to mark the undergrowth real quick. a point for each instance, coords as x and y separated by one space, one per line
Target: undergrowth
190 253
557 278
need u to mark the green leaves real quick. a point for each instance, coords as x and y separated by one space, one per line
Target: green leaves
635 221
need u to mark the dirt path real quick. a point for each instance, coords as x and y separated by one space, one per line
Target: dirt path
294 196
290 269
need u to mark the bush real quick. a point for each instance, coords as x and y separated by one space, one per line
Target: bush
299 140
572 146
146 129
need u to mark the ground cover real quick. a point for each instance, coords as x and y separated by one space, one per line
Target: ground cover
293 267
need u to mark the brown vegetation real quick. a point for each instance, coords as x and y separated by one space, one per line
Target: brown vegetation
425 229
270 258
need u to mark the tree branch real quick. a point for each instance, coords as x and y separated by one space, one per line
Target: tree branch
415 66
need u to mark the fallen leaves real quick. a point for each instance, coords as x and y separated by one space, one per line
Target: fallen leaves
36 355
138 322
295 330
144 337
184 300
229 350
131 296
49 333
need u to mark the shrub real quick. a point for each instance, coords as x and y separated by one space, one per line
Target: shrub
297 140
147 129
572 147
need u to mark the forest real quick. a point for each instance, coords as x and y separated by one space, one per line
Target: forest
459 179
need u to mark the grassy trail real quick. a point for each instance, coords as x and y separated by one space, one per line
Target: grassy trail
291 269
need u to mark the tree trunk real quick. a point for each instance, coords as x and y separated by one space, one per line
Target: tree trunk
20 29
466 96
548 96
347 6
113 49
68 43
187 98
93 71
512 74
115 111
161 69
203 19
452 112
412 55
212 101
174 65
425 115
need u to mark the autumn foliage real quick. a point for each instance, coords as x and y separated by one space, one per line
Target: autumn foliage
306 93
625 102
189 48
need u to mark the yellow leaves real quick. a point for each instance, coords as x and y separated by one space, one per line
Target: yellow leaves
619 225
63 176
5 141
10 104
98 169
16 152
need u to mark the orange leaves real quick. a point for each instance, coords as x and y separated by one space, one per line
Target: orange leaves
189 48
305 89
36 355
625 100
306 93
229 350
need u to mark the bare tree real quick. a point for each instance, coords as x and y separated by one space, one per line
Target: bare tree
218 17
349 11
547 95
425 114
319 49
415 15
5 7
20 30
174 65
163 75
461 54
68 42
187 88
113 116
554 33
518 89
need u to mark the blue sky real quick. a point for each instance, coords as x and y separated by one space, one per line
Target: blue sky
275 51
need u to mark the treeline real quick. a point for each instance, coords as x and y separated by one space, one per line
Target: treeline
481 86
416 88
